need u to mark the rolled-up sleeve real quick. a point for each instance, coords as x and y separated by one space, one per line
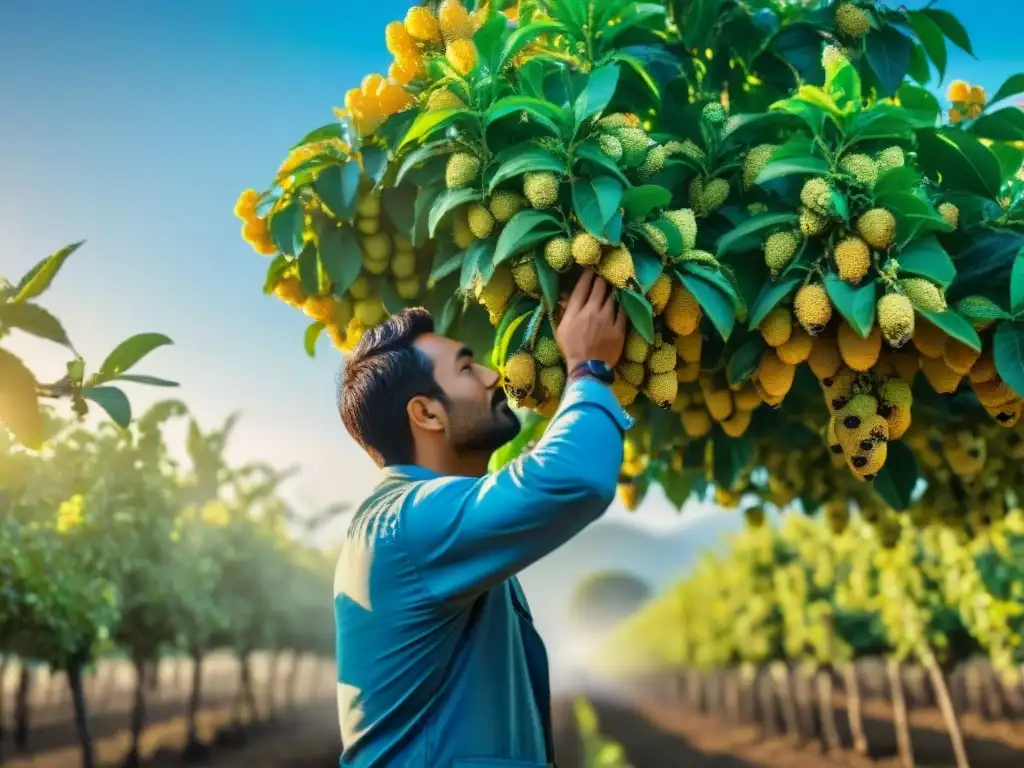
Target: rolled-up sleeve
465 535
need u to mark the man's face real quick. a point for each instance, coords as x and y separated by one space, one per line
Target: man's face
479 417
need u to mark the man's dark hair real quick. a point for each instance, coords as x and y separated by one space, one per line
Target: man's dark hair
380 378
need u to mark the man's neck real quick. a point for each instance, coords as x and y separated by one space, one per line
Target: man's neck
467 465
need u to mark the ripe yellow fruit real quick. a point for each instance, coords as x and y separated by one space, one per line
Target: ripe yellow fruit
684 221
455 21
422 25
541 189
853 260
777 326
813 308
370 311
462 169
779 249
524 273
443 98
824 359
984 369
632 372
924 294
895 401
683 313
906 363
586 250
959 357
636 349
624 393
831 440
812 223
816 196
662 388
746 399
797 348
737 424
245 207
774 376
859 354
408 287
878 228
461 233
660 293
662 359
891 157
461 54
755 162
838 389
689 347
687 373
869 463
481 222
547 352
993 393
851 22
375 266
929 339
896 319
360 288
552 381
942 378
520 374
950 213
376 247
616 266
494 296
403 265
368 225
558 253
1008 415
860 167
505 205
858 425
696 422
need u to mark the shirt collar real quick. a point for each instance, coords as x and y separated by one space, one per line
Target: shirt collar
408 472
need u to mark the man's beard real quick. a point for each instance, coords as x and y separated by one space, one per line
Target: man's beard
478 432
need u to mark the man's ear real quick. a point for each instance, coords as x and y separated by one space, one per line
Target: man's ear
426 414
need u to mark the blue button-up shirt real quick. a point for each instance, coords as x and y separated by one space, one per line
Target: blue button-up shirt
438 660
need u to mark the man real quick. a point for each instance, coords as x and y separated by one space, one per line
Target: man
438 661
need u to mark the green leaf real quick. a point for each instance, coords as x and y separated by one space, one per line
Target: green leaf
548 282
1008 352
951 28
399 203
330 131
128 353
1017 285
745 359
721 282
337 186
888 54
523 35
595 200
920 106
375 163
526 158
522 306
113 401
896 481
421 155
914 216
310 275
341 257
428 123
1012 86
312 335
513 335
855 304
544 113
286 228
981 309
19 402
523 231
881 122
895 181
33 319
931 37
736 238
639 311
716 305
393 303
447 202
770 297
38 279
648 268
954 325
638 202
926 257
152 381
962 161
671 234
477 256
1005 124
591 152
729 456
810 165
844 86
597 94
447 267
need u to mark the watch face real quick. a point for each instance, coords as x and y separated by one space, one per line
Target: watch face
601 370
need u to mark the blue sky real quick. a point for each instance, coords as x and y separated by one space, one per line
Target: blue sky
134 125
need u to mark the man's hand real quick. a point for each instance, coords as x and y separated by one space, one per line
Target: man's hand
593 327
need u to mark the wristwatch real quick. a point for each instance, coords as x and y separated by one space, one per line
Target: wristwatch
599 369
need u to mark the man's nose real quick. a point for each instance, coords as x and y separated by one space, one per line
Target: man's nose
490 378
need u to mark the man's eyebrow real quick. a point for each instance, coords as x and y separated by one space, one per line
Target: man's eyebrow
464 352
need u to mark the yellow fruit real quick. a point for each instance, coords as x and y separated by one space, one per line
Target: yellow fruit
696 422
777 326
929 339
687 373
984 369
245 207
547 352
1008 415
398 40
461 233
586 250
455 21
950 213
816 196
895 401
906 364
360 288
959 357
370 311
408 287
375 266
689 347
377 247
924 294
830 438
558 253
878 228
824 359
851 22
624 393
942 378
683 313
684 221
869 463
524 273
662 359
746 399
495 294
755 162
552 381
520 374
660 293
774 376
422 25
256 233
797 348
859 354
813 308
505 205
812 223
958 91
541 189
662 388
896 319
616 266
737 424
443 98
860 167
637 349
403 265
719 403
838 389
891 157
853 260
633 373
461 54
405 68
779 249
461 170
656 238
481 222
858 425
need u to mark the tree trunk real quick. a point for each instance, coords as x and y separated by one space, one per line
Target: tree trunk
248 694
195 699
138 717
293 680
4 663
948 713
853 709
21 707
995 704
74 673
769 709
780 674
826 708
805 704
732 697
271 697
899 715
975 689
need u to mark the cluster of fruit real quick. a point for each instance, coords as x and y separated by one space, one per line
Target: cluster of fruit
967 101
424 36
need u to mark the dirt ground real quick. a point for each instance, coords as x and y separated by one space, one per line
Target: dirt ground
655 734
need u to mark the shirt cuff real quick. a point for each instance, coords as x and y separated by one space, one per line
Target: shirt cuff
587 390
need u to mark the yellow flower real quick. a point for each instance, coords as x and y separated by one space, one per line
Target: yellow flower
958 91
461 55
215 514
70 514
256 233
976 96
245 207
